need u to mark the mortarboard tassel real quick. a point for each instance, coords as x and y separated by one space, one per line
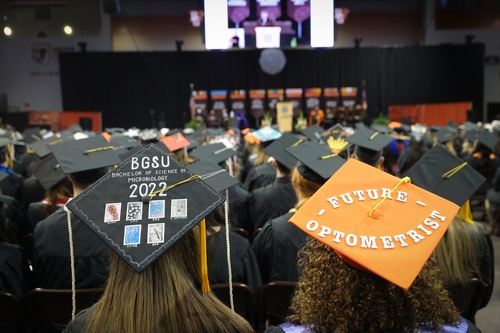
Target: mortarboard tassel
205 285
465 212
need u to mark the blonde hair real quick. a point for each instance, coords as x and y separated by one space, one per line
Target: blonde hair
261 156
165 297
456 254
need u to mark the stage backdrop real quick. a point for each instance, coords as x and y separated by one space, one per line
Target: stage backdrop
139 89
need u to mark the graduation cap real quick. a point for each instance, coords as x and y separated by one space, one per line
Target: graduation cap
216 152
313 132
470 126
472 135
145 205
32 134
149 135
277 150
48 171
446 175
444 136
335 138
42 147
86 154
376 222
175 141
213 175
370 139
381 128
125 146
488 139
316 162
266 134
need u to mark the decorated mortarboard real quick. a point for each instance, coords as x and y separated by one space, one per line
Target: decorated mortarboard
149 135
370 139
277 150
86 154
316 162
32 134
42 147
488 139
313 132
145 205
446 175
216 152
213 175
266 134
175 141
336 138
48 171
376 222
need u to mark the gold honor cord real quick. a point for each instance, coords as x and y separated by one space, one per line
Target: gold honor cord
86 152
327 156
205 284
297 143
404 180
449 174
373 135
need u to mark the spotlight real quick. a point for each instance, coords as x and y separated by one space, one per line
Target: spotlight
68 30
7 31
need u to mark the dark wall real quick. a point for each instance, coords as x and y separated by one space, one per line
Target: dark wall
125 87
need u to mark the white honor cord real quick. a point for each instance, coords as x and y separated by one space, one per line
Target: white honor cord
72 260
228 249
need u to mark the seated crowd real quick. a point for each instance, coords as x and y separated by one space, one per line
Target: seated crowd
261 180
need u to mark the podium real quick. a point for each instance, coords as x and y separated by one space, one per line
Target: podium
267 37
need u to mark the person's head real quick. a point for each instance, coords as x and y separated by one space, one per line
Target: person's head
281 169
83 179
372 157
335 297
264 14
164 297
304 188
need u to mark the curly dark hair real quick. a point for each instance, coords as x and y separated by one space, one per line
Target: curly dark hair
335 297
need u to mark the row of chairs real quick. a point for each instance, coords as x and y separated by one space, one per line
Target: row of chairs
49 310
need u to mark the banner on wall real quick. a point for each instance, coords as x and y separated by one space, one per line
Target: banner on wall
284 115
294 95
349 95
331 96
237 100
45 59
272 7
299 11
274 96
238 10
218 98
313 96
257 97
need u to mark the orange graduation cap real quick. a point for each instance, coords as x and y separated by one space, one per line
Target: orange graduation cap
376 222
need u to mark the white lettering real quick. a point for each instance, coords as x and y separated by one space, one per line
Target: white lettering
387 241
421 227
435 215
368 242
154 162
324 231
372 194
334 201
402 196
337 236
351 240
401 239
348 195
133 164
312 225
430 223
415 235
145 162
167 164
359 194
386 193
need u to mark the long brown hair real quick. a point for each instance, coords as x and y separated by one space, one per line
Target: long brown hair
304 188
335 297
165 297
64 189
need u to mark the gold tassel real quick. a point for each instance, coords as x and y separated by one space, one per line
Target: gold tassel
205 285
465 213
11 160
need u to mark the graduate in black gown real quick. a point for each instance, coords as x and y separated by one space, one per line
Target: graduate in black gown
85 161
277 244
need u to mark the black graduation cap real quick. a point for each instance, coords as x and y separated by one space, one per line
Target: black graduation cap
444 136
125 146
316 162
86 154
71 130
472 135
446 175
470 126
381 128
370 139
313 132
142 207
42 147
336 138
277 150
48 171
213 175
32 134
488 139
216 152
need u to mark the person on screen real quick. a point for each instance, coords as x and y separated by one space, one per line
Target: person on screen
264 19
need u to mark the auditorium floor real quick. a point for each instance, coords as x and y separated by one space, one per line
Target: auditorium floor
488 318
